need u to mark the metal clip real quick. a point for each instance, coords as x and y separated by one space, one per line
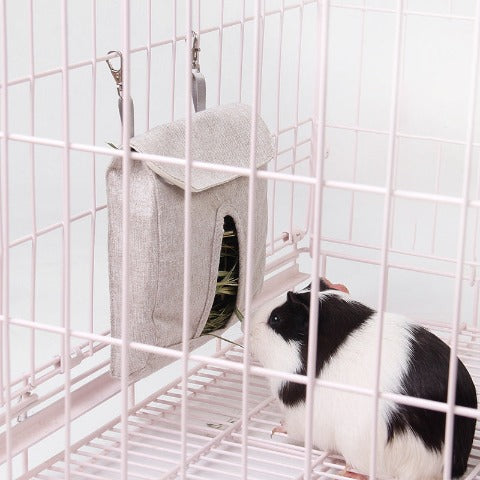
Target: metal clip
25 402
195 51
117 73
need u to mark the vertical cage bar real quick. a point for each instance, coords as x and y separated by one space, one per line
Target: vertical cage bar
437 191
2 256
174 60
220 52
320 107
475 253
242 48
25 461
5 373
453 363
187 252
476 304
295 132
386 228
24 454
126 165
131 396
149 64
93 215
33 195
66 232
258 32
357 119
400 93
277 128
197 25
2 313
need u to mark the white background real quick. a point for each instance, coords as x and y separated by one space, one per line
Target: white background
434 102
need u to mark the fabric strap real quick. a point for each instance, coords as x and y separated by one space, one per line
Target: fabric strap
131 128
199 97
199 91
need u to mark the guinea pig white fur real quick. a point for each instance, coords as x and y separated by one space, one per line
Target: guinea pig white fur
414 362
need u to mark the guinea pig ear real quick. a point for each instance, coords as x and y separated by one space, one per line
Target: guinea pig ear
322 285
301 299
325 284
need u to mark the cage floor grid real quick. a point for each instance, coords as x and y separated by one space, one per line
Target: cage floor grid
214 433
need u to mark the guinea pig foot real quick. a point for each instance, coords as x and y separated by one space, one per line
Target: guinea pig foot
345 473
278 429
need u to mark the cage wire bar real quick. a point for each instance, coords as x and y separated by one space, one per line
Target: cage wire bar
33 196
187 239
320 93
5 260
93 210
317 183
66 229
256 79
126 165
453 363
386 228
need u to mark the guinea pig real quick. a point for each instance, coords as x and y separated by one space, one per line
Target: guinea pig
414 362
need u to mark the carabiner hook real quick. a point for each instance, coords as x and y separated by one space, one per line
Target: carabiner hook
117 73
195 51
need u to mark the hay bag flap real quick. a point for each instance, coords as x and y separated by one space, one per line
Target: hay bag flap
219 205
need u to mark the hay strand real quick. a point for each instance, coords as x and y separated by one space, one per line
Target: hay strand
224 303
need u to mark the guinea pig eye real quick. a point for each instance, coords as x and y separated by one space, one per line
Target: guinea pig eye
274 320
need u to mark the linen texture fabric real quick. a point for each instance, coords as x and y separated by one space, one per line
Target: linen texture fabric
221 136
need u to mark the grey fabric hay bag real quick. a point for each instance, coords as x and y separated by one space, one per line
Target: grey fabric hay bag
220 135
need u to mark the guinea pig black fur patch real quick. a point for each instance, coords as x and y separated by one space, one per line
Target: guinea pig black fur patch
430 354
337 319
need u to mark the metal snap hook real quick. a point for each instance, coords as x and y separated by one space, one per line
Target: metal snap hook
117 72
195 51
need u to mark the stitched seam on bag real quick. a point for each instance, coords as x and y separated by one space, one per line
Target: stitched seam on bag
242 262
174 178
157 208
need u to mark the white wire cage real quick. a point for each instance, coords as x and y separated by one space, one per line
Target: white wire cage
376 183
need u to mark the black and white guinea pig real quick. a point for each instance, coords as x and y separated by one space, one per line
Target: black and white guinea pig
414 362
